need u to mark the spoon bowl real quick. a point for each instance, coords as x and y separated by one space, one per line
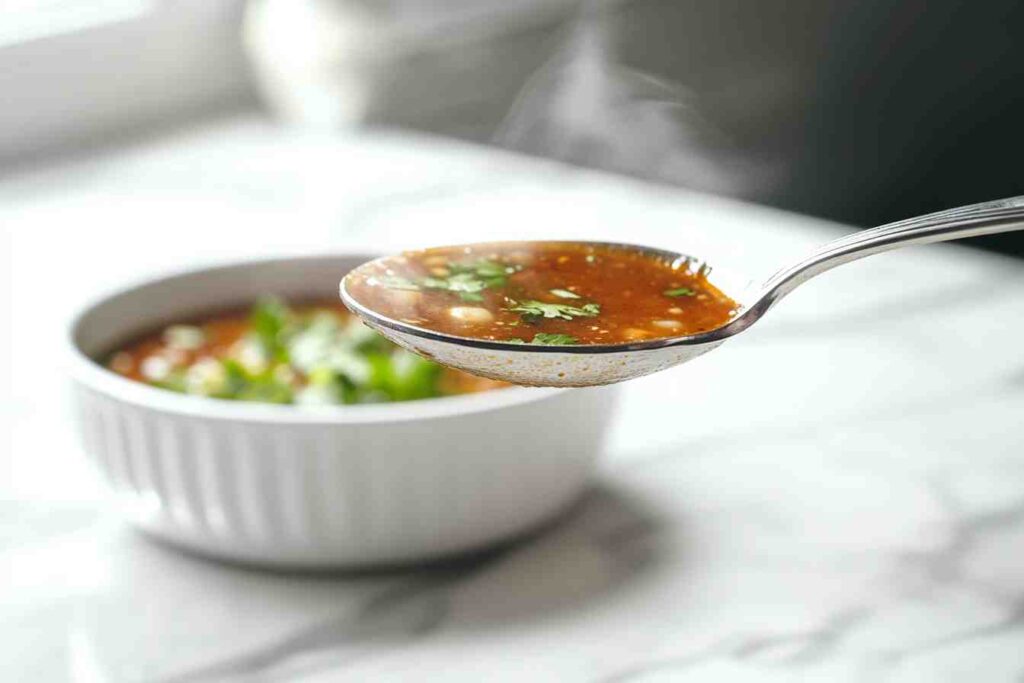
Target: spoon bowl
596 364
559 366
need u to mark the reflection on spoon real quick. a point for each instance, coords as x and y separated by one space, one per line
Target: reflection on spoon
589 313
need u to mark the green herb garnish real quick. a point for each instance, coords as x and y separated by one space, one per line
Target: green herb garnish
396 282
241 384
544 338
315 357
539 309
554 339
486 270
467 280
466 284
679 291
269 320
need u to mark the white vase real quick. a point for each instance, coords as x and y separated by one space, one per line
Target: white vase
447 67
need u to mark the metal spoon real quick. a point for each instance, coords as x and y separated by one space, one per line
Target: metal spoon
588 365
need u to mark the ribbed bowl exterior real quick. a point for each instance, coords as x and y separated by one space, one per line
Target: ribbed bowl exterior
327 487
321 494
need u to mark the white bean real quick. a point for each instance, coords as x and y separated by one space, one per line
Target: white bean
633 333
667 324
156 368
404 300
471 314
435 261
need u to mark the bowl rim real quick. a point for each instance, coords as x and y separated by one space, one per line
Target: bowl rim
91 374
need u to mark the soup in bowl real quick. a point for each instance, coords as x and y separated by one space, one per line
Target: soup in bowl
316 353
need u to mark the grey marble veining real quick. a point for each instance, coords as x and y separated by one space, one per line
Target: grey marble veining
837 495
412 607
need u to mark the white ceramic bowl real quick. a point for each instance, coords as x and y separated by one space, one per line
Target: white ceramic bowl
329 486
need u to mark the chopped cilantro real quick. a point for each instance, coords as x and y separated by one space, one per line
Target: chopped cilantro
396 282
544 338
484 269
554 339
679 291
465 284
465 279
434 283
539 309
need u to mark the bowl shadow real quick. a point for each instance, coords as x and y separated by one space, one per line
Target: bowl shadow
607 541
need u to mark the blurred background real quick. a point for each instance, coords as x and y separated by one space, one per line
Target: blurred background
841 486
862 112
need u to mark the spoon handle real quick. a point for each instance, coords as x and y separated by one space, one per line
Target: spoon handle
1002 215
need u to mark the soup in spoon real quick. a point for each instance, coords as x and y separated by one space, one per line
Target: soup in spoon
590 313
543 293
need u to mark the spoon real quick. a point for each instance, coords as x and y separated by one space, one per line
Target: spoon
589 365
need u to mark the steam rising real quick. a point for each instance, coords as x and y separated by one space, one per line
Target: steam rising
583 107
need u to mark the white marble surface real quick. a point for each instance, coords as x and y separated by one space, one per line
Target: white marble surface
838 495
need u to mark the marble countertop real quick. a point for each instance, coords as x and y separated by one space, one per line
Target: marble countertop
837 495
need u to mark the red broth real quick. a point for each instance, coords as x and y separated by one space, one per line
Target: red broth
552 293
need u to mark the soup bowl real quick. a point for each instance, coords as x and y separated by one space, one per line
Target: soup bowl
328 486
